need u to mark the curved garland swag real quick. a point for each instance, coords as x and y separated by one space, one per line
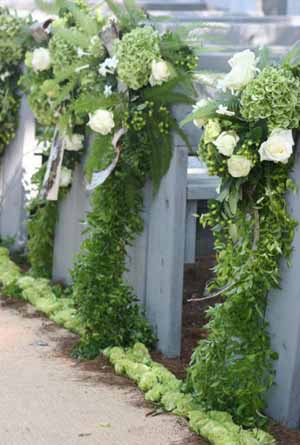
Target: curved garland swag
249 141
112 82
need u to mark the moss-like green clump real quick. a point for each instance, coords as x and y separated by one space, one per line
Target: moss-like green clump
274 95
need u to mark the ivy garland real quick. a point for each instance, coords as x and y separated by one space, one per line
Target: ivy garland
249 135
111 81
11 56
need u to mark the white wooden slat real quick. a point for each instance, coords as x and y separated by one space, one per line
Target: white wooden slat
136 274
70 224
283 314
166 256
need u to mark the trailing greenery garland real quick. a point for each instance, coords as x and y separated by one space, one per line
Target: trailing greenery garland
11 56
122 78
248 142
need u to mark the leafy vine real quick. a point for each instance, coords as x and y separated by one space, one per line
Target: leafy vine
11 56
249 135
122 78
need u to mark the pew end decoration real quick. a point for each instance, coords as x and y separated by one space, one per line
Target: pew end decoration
249 140
12 48
104 87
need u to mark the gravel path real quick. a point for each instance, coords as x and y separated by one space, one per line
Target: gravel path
48 399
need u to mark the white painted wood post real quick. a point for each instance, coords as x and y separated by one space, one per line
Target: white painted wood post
17 165
69 227
164 286
137 254
283 315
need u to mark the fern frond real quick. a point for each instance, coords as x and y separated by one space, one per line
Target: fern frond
129 15
116 9
100 155
85 21
87 103
50 8
64 92
73 36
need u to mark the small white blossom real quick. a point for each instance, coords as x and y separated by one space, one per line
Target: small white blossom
224 111
107 90
108 66
81 53
4 76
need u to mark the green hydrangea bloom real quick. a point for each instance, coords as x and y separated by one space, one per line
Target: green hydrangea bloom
11 50
135 52
62 53
273 95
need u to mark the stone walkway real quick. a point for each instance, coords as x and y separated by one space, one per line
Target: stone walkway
48 399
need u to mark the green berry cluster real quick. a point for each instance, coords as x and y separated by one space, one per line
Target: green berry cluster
164 123
274 95
186 60
135 120
249 149
216 163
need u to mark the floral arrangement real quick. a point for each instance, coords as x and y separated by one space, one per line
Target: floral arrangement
11 56
107 84
249 141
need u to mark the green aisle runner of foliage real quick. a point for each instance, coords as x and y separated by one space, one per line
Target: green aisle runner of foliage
160 386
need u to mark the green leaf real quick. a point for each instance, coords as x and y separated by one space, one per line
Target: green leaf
264 57
292 58
205 112
88 103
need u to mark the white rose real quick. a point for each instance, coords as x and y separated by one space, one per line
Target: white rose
40 59
65 177
102 121
211 131
278 147
160 72
74 142
200 122
226 142
243 69
239 166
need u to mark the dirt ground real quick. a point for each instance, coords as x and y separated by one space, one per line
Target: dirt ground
46 398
